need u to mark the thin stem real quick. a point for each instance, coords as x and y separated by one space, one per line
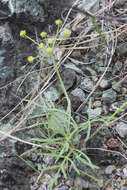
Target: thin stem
61 81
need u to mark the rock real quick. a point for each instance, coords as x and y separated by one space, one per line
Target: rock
77 119
109 96
6 39
52 94
109 169
90 70
12 175
68 77
121 128
73 67
87 84
96 104
121 50
95 112
27 11
125 171
80 183
104 84
117 67
77 96
7 61
5 12
6 74
116 105
102 69
12 94
116 87
88 4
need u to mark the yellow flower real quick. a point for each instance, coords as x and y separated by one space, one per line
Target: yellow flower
30 59
41 45
67 32
49 50
43 34
50 41
58 22
22 33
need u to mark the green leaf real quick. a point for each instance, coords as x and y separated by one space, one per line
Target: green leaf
64 173
89 123
64 149
51 167
74 166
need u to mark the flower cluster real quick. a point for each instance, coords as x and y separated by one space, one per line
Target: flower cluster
49 44
22 33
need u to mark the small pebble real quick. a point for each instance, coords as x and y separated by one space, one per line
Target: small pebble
109 170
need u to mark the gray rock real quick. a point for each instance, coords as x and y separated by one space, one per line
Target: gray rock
28 10
6 39
109 169
68 77
122 50
104 83
92 72
114 106
77 119
12 174
121 128
96 104
80 183
73 67
4 11
6 74
125 171
109 96
95 112
116 87
52 94
102 69
117 67
88 5
87 84
77 96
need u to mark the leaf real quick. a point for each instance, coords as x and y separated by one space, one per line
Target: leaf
64 149
89 123
74 166
64 173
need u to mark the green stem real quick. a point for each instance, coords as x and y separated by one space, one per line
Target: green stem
31 40
61 82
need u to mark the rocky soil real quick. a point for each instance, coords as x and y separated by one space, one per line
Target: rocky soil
90 70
